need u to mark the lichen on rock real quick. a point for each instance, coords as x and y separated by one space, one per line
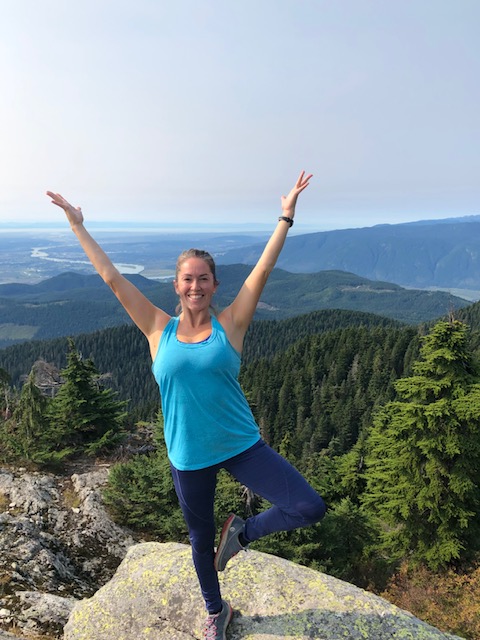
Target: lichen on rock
154 595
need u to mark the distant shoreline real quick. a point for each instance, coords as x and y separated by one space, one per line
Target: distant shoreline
213 229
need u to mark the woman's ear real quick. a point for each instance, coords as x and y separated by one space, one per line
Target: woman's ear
175 287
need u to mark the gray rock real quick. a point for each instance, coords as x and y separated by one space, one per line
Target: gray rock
32 493
4 635
154 595
44 612
94 526
55 537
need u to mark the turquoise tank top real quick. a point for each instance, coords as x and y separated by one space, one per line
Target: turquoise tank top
207 417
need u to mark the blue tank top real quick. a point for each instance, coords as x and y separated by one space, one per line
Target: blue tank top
207 417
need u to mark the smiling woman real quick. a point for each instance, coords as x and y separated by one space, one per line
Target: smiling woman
195 279
207 420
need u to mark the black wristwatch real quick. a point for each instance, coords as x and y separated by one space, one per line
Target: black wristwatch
289 220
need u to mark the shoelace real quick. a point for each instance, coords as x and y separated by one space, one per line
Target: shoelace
210 628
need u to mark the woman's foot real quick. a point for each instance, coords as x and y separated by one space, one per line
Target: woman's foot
216 624
230 541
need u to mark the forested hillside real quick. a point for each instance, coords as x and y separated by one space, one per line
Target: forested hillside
382 419
320 393
123 351
71 303
425 254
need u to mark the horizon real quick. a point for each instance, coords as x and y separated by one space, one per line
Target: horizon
260 229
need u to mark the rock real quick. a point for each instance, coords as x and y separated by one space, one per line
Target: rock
44 612
7 636
94 527
48 548
154 595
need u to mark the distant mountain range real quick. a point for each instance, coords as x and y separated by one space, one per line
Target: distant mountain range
72 303
424 254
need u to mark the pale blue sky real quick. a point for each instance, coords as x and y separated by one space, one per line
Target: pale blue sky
206 111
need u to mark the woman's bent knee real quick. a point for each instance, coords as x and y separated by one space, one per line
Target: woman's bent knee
314 511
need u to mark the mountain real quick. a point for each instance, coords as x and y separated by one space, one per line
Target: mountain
73 303
421 255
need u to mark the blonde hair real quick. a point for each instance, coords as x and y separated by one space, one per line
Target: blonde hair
195 253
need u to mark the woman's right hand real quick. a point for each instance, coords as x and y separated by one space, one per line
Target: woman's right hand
74 214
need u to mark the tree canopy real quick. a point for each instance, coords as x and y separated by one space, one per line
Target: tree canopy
424 454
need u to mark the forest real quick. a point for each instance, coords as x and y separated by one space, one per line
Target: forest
382 418
71 303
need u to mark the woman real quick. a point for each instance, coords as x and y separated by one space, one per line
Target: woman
208 423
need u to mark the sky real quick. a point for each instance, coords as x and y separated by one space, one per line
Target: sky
145 111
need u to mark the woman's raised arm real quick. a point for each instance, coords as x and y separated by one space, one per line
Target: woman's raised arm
149 319
239 314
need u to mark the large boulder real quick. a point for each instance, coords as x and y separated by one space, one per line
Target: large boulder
154 595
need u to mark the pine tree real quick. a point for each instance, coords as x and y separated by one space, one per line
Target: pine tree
5 394
22 433
424 454
83 414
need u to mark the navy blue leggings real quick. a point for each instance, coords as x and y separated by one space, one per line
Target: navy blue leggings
266 473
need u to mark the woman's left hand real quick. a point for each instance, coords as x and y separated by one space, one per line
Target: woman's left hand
289 202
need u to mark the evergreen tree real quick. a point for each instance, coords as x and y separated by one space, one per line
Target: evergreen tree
424 454
140 493
22 433
5 394
83 414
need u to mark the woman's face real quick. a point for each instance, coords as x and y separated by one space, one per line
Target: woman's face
195 284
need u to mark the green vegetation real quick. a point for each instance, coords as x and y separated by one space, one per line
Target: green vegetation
424 455
80 418
71 304
320 393
10 333
123 352
382 419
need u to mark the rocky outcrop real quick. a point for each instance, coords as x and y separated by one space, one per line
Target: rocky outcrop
58 547
154 595
57 544
7 636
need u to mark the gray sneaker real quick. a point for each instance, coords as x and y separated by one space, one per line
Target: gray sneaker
229 544
216 624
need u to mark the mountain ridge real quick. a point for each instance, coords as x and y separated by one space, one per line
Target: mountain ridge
71 303
419 255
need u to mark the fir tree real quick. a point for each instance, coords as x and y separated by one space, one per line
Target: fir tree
22 433
424 454
83 414
5 394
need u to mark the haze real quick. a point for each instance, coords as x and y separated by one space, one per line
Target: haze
199 113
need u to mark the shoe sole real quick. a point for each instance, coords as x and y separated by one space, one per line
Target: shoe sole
223 541
228 620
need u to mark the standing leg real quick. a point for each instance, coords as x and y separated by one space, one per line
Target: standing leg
196 492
